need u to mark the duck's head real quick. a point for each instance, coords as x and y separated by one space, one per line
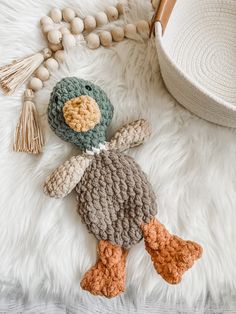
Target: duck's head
79 112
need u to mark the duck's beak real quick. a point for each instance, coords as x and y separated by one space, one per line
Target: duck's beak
81 113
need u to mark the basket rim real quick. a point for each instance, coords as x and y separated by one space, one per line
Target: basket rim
204 91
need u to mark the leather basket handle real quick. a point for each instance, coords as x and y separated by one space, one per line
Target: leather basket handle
162 14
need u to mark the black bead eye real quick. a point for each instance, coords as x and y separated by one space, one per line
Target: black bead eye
89 88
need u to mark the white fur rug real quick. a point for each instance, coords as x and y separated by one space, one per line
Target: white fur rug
44 248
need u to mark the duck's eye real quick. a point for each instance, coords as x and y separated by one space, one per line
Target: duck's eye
89 88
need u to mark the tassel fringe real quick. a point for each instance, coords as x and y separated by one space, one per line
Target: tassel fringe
28 134
14 75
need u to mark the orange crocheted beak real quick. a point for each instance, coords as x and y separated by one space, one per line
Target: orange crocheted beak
82 113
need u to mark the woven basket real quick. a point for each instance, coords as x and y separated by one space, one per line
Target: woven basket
196 43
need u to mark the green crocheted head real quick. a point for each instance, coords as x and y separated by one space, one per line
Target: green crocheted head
79 112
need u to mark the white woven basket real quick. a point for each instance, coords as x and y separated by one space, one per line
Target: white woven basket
196 43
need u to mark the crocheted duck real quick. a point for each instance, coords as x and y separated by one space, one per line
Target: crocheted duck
115 199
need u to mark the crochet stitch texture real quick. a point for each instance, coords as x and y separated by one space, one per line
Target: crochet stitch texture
107 277
81 113
115 199
171 256
67 89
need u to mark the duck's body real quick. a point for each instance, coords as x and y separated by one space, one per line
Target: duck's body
115 199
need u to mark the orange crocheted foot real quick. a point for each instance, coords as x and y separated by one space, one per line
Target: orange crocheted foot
107 277
171 255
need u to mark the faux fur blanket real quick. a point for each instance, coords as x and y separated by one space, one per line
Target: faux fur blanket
44 248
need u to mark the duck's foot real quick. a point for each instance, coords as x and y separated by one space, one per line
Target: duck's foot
171 255
107 277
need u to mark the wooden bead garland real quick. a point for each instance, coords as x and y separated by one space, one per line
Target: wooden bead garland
35 84
51 64
42 73
89 23
118 34
68 41
130 31
47 27
68 15
77 26
101 19
143 28
155 3
120 8
112 13
56 15
60 56
46 20
61 29
64 30
63 38
93 41
54 37
54 47
106 38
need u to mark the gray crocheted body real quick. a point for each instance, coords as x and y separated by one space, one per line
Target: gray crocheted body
115 199
69 88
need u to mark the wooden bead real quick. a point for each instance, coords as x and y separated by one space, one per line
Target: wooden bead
47 53
77 26
143 28
112 13
106 38
60 56
64 30
68 41
68 15
93 41
56 15
130 31
54 37
155 3
89 23
47 28
46 20
117 33
101 19
42 73
120 8
54 47
51 64
35 84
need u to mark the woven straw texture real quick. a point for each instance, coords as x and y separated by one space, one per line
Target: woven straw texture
197 55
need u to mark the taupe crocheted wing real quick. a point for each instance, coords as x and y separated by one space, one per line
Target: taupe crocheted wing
64 178
130 135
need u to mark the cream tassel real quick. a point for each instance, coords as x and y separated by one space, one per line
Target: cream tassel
14 75
28 135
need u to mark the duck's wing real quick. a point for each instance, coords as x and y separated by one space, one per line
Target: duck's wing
130 135
64 178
